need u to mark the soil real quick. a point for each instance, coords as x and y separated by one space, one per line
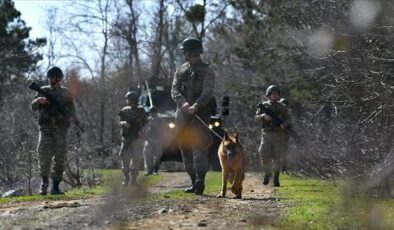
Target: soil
138 208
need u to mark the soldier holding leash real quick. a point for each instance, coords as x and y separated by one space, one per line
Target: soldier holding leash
192 90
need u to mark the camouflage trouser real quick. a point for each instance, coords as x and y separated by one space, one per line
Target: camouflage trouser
194 140
130 154
152 153
272 147
52 143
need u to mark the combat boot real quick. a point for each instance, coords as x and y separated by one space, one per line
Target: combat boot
267 177
200 183
55 190
44 186
134 180
192 188
126 178
276 179
156 170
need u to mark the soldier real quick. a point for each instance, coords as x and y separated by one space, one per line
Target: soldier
131 120
286 144
52 141
192 90
153 143
273 137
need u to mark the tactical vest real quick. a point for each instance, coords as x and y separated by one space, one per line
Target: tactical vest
276 108
48 115
192 83
136 117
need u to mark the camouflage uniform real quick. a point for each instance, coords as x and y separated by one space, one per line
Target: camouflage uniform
273 140
52 141
153 145
194 84
131 147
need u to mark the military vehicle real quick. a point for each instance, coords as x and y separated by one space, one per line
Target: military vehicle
160 96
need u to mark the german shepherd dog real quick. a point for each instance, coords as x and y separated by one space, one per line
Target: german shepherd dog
232 159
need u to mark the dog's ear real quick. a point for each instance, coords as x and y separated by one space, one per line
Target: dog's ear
236 136
225 137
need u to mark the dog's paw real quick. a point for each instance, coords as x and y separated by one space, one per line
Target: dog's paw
238 197
220 196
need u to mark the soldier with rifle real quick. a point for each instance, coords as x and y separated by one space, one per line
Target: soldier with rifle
131 120
56 112
275 120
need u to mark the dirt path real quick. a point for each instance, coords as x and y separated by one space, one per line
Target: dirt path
134 209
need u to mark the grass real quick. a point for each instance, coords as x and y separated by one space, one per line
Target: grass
313 203
111 178
320 204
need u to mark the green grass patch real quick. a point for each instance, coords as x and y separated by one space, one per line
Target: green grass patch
73 194
111 177
388 210
320 204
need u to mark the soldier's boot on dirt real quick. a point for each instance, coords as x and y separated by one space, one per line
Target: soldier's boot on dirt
156 169
134 180
267 177
276 179
200 183
192 188
44 186
267 174
126 178
55 190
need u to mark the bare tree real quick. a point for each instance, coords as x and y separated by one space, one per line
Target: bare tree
52 39
157 43
92 18
126 28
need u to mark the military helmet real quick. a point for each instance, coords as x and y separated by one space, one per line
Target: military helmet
132 96
192 45
284 101
153 109
55 72
272 88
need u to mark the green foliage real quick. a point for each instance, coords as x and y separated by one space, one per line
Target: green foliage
196 13
18 55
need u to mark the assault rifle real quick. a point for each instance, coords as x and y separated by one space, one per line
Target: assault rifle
277 120
55 103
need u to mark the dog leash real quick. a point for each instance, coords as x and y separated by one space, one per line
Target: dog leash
206 125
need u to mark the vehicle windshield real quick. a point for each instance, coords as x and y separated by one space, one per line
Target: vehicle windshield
163 101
